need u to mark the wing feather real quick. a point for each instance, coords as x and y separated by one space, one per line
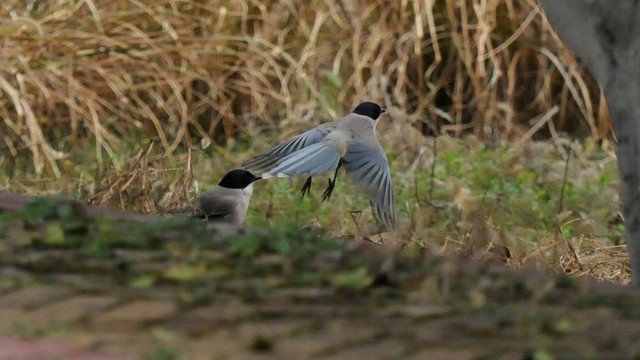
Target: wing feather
369 169
269 158
315 159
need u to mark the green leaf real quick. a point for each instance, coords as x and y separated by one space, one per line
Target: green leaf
542 355
185 272
333 78
281 245
357 280
40 208
143 281
54 234
244 246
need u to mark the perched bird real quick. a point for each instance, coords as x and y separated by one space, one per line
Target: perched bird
349 142
228 201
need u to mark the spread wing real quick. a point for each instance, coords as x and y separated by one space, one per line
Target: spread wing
269 158
369 169
315 159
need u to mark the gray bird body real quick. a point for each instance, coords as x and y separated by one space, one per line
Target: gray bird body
350 142
224 205
228 201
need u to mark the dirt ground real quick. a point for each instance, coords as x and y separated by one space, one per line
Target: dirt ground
94 286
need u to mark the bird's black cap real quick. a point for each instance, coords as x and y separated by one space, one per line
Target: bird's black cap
238 179
369 109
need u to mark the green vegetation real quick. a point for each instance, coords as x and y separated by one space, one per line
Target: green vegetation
479 200
123 104
161 353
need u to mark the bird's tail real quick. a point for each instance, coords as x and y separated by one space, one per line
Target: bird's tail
315 159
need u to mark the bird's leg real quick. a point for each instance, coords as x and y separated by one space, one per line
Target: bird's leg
306 188
327 192
332 183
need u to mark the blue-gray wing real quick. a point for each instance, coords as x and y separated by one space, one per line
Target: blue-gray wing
369 169
269 158
314 159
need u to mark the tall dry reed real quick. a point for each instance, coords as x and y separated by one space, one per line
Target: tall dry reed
210 70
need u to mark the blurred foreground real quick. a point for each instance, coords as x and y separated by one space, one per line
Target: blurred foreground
169 291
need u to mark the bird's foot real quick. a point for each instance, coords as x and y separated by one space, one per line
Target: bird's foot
327 192
306 188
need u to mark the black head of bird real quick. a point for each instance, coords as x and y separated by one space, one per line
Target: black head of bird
369 109
238 179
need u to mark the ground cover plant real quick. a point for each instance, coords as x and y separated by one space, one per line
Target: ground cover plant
499 142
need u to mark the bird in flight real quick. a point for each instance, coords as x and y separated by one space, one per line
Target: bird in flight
349 142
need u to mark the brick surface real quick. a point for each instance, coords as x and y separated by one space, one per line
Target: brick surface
311 310
10 276
138 343
382 349
17 349
135 314
75 308
11 318
441 353
357 330
34 296
326 339
306 346
51 318
241 341
208 319
77 338
418 311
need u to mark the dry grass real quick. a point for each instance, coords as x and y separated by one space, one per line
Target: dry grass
196 75
183 70
145 184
